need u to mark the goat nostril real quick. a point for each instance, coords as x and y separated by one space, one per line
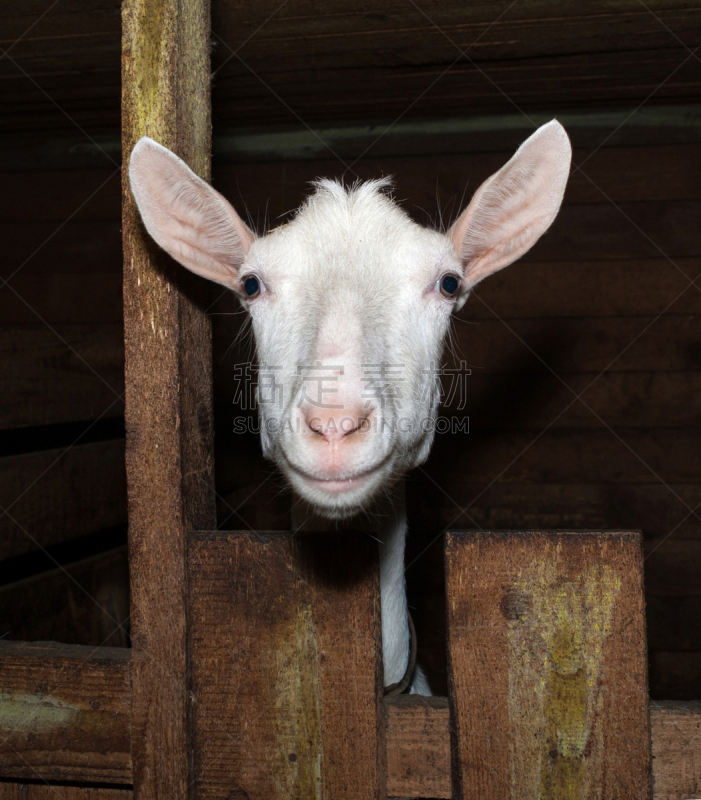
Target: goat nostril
316 425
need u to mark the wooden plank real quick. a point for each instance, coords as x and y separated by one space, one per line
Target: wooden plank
49 195
76 247
61 494
675 676
541 54
676 749
165 95
430 181
641 455
418 746
66 298
664 344
74 373
652 508
65 712
85 602
285 664
547 665
33 791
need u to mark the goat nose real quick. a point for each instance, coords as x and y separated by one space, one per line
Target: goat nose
336 426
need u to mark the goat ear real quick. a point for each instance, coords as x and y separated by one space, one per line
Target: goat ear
512 210
187 218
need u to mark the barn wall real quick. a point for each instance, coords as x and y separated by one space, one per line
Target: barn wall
607 289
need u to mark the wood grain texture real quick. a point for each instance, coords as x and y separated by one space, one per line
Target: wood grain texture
34 791
286 668
56 495
64 712
83 603
418 746
547 665
357 62
165 79
73 372
676 750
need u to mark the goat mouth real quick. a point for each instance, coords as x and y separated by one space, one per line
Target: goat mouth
336 485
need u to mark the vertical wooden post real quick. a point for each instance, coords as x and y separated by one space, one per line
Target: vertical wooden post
165 79
547 666
287 668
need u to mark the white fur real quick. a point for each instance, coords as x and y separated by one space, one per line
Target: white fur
350 284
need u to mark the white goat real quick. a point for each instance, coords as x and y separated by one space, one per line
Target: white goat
355 297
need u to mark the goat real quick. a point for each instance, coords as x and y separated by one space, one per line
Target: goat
349 286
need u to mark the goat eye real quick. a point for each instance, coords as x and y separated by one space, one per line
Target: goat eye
449 285
251 286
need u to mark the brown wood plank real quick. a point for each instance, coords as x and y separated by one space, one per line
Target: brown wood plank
74 372
547 665
429 181
645 455
643 344
66 298
33 791
165 95
85 602
279 624
65 712
77 247
418 746
676 749
538 54
61 494
652 508
88 194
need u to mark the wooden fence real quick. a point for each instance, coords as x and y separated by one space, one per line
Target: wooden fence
255 670
283 692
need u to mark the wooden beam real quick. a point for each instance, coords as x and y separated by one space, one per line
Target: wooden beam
166 79
34 791
44 680
547 665
60 494
286 666
65 712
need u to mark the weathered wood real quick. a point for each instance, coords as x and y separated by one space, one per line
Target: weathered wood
36 791
61 494
547 665
417 738
576 455
86 602
72 374
676 750
68 298
286 668
329 65
427 181
64 712
166 79
652 508
418 746
77 247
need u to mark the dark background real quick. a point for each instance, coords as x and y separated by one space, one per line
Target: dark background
585 357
